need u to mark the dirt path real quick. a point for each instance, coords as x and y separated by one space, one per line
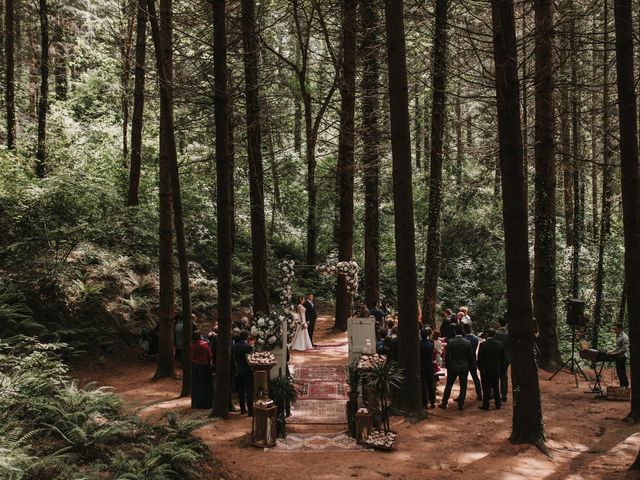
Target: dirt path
586 438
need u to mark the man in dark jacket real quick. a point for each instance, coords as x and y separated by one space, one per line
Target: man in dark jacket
244 376
502 335
458 359
473 369
311 315
445 326
491 361
426 369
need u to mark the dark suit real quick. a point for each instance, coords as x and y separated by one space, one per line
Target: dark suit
244 376
426 373
491 361
502 335
310 316
445 328
473 369
459 357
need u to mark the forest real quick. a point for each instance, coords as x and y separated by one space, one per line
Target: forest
211 163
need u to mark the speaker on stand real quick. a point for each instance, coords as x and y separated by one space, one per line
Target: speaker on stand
575 319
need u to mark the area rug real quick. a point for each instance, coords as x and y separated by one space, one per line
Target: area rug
321 391
318 412
333 442
319 373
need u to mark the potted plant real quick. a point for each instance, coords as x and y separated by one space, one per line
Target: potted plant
385 380
282 391
353 379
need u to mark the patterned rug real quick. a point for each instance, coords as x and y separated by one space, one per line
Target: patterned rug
335 442
318 412
321 391
319 373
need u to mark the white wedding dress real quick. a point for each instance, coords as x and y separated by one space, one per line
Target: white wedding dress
301 340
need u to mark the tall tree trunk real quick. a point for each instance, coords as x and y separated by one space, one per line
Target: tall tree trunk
10 86
630 175
170 200
60 68
125 73
527 406
410 397
432 264
225 210
43 102
370 49
254 153
137 121
525 97
607 190
417 120
459 139
312 222
544 285
346 162
565 141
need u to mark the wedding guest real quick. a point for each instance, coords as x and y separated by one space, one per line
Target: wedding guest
390 326
445 326
465 315
311 315
502 335
202 381
244 376
382 335
363 311
385 310
491 360
458 358
377 314
177 335
437 346
426 369
473 368
394 343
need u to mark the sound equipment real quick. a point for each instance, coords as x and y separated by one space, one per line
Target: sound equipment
597 357
575 313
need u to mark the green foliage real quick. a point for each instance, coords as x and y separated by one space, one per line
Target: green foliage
283 392
385 380
50 428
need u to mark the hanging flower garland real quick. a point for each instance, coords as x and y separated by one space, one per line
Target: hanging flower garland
287 274
348 269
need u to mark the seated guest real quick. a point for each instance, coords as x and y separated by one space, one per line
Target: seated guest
473 369
491 361
386 347
244 376
202 386
363 311
458 359
390 325
376 312
394 343
382 334
426 369
384 308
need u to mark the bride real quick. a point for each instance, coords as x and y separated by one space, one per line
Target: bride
301 340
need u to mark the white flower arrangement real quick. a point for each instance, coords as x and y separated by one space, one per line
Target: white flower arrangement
326 270
267 330
350 272
287 274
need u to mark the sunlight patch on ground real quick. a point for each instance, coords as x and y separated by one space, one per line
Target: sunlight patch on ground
465 459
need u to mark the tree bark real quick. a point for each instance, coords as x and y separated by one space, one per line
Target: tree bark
346 161
137 121
370 48
630 175
544 285
417 120
60 68
125 73
527 410
225 211
260 286
43 101
438 116
10 86
410 398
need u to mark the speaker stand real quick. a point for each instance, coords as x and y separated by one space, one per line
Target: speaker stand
571 364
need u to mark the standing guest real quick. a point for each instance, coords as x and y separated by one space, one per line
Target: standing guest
363 311
376 312
465 315
202 381
311 315
427 373
458 359
491 359
384 308
445 326
419 312
390 327
244 377
437 346
473 369
177 330
502 335
394 342
622 352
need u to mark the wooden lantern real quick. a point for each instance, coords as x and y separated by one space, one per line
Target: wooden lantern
264 426
364 424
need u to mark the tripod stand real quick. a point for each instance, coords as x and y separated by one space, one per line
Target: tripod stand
571 363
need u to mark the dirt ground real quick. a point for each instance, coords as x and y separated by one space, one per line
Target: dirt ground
586 437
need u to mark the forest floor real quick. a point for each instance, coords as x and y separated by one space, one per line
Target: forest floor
586 437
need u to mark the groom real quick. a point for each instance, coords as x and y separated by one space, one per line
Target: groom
310 315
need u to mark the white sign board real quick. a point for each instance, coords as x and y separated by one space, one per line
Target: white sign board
360 330
281 355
